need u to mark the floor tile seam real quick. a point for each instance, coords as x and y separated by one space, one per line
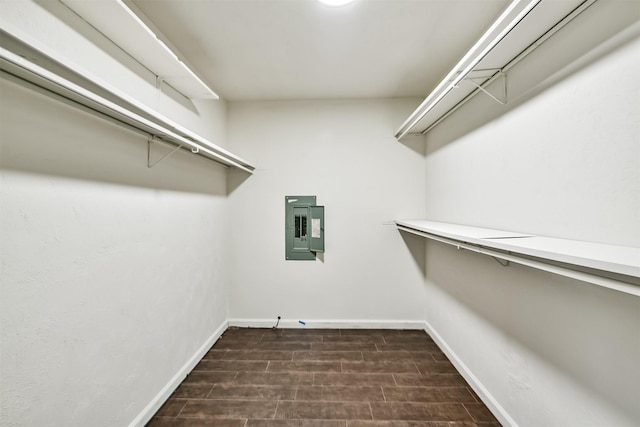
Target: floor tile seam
237 372
416 366
474 395
229 399
217 417
367 373
182 408
210 391
295 399
324 401
345 420
468 412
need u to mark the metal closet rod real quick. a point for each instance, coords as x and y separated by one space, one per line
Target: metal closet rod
551 268
428 104
532 47
469 61
143 123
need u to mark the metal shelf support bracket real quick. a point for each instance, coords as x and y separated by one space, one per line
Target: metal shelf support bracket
152 141
499 74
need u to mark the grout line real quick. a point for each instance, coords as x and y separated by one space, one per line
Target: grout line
210 390
473 394
185 404
383 395
465 408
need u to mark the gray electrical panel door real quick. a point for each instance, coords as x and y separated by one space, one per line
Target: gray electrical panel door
316 213
304 227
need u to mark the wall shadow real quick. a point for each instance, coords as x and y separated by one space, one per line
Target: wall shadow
416 143
417 248
235 178
567 324
41 133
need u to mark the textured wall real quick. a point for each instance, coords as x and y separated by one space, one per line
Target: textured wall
112 275
565 163
344 153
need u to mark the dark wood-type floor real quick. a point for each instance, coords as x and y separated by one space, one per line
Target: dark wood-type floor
324 378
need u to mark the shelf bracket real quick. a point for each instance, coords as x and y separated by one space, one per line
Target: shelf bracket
480 86
505 264
152 141
159 81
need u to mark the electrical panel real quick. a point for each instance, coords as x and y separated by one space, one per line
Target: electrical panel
304 227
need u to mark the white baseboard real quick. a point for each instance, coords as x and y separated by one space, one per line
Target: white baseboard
328 324
496 409
155 404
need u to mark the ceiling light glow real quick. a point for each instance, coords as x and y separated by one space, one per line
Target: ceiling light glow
336 2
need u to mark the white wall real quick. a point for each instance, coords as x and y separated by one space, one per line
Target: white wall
344 153
549 350
113 275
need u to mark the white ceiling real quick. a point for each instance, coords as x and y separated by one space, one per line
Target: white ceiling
301 49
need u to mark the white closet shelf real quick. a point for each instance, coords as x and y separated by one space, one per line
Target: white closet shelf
517 32
128 28
42 67
548 252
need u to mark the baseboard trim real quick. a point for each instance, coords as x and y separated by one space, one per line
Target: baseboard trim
155 404
328 324
496 409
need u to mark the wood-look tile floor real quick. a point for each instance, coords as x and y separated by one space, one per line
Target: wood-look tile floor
324 378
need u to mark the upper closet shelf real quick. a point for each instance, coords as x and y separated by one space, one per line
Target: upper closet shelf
595 261
519 30
42 66
127 27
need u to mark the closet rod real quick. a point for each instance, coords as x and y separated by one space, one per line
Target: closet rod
532 47
551 268
115 111
470 60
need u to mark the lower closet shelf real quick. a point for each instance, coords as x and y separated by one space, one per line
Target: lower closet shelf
611 266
